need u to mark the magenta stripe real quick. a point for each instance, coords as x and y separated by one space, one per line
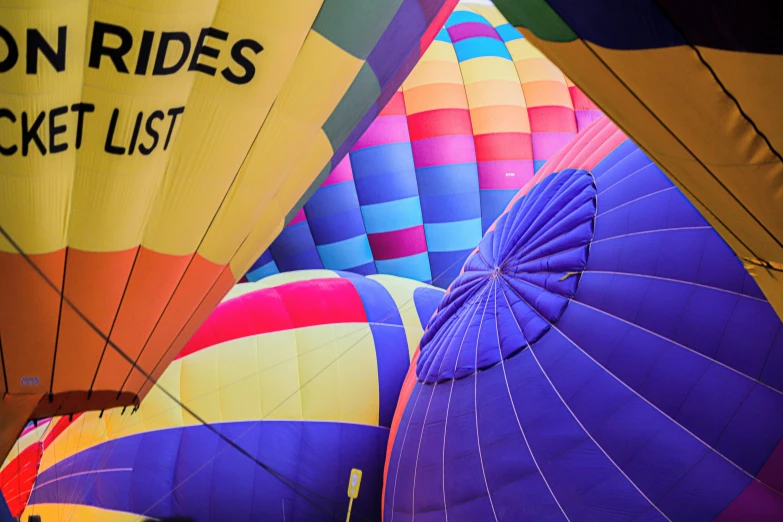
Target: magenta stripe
586 117
471 30
398 243
342 172
546 144
492 174
443 150
298 218
386 129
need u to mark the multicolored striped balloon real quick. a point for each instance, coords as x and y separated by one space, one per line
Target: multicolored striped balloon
150 153
480 113
18 472
302 370
603 356
697 84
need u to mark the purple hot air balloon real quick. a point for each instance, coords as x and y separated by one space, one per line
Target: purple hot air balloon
603 356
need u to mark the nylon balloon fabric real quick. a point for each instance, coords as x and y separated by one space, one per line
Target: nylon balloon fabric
480 113
302 370
602 356
151 151
18 472
696 85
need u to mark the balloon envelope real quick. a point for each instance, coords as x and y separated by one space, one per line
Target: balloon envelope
151 151
603 356
302 370
479 114
696 84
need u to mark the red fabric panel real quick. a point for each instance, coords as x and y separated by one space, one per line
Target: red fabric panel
440 122
289 306
503 146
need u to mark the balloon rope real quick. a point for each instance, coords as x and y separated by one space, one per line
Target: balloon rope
290 483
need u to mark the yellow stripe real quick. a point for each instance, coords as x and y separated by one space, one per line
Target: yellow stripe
78 512
401 291
491 93
488 67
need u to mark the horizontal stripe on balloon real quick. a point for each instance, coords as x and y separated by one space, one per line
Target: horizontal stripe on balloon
546 144
333 199
456 235
443 150
547 93
346 254
442 180
508 32
392 215
469 30
262 271
552 118
398 243
500 118
503 146
285 307
461 17
504 174
484 45
298 218
388 129
395 106
493 203
416 267
433 96
341 173
441 122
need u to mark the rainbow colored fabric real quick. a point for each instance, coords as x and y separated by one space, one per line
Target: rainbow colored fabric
302 370
476 118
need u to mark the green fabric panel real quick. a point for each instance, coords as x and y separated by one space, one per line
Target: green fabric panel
355 25
359 98
539 17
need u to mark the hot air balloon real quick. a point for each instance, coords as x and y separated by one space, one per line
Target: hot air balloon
603 356
696 84
150 153
478 116
302 370
18 472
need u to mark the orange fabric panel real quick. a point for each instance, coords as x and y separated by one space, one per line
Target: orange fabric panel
14 412
94 283
152 282
196 283
221 287
499 118
29 309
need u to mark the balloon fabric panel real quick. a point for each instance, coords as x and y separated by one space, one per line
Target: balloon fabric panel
302 370
695 83
603 355
151 152
480 113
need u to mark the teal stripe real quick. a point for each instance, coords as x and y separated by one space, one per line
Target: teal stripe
392 215
453 236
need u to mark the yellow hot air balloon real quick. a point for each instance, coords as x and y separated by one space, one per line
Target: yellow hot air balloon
150 151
